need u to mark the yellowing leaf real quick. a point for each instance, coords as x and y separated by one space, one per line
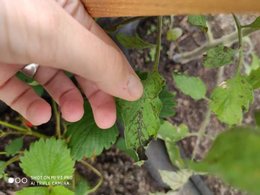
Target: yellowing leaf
175 180
172 134
230 99
169 132
141 118
255 64
174 33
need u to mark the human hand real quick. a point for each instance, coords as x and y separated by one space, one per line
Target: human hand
60 35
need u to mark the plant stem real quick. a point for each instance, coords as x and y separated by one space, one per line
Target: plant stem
35 134
89 166
240 44
201 132
17 128
158 45
209 34
22 130
10 161
185 57
2 153
57 118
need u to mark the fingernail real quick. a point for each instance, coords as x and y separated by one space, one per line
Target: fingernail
135 87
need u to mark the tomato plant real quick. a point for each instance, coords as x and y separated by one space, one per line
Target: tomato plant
50 159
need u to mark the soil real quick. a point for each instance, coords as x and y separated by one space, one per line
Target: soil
120 174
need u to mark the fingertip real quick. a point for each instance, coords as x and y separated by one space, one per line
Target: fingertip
105 116
72 110
39 112
135 87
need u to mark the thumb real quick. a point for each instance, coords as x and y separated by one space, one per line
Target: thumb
51 37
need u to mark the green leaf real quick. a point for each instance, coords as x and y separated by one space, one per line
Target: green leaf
120 144
33 191
48 158
198 20
57 190
152 54
235 158
191 86
24 78
87 139
254 78
171 133
39 90
255 24
169 103
141 118
175 180
174 33
218 56
174 153
133 41
36 86
254 65
82 187
14 147
230 99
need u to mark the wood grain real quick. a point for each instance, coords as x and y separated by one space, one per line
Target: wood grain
117 8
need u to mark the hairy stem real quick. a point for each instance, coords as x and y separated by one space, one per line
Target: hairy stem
17 128
21 130
89 166
203 127
158 45
201 132
57 118
198 52
240 44
10 161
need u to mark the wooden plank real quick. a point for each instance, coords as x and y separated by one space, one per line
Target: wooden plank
117 8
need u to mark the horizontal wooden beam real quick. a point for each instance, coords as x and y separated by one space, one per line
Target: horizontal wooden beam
118 8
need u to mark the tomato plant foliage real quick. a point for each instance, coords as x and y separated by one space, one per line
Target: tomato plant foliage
218 56
230 99
234 157
192 86
141 118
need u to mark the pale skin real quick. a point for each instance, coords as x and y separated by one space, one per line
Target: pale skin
60 35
